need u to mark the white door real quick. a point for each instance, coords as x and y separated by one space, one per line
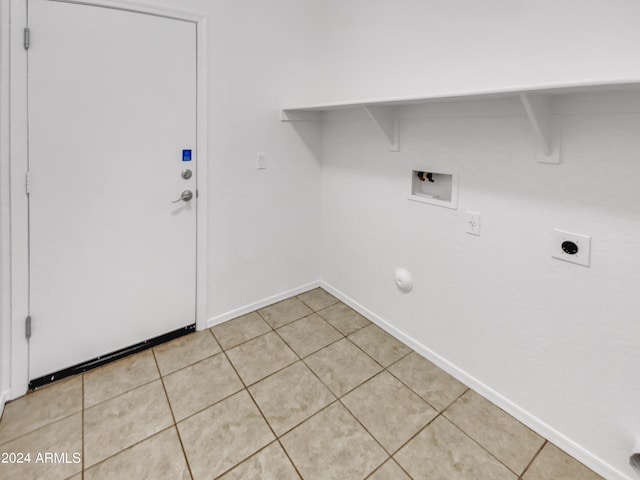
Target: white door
112 120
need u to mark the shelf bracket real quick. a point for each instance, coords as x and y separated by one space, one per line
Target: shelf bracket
538 108
386 120
291 116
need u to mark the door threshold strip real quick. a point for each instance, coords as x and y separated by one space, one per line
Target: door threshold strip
109 357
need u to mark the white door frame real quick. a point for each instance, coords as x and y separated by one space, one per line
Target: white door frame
14 165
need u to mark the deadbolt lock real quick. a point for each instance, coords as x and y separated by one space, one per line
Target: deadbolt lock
187 174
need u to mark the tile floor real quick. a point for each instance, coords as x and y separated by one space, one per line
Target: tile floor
306 388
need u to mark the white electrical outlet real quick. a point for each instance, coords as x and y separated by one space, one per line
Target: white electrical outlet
571 247
262 161
473 223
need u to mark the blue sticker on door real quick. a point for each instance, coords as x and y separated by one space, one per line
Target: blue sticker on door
186 155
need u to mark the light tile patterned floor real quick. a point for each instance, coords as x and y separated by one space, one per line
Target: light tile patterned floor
306 388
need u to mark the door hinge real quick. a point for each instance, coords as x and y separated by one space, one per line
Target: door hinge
27 182
27 327
27 38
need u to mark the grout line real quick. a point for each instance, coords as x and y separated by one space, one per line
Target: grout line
339 402
144 439
249 340
129 447
327 306
377 468
309 417
534 457
243 341
39 428
33 392
301 360
214 337
393 452
417 433
175 424
295 467
306 316
366 353
319 309
401 468
289 343
438 414
209 406
342 337
392 460
277 439
360 384
247 385
369 322
132 356
267 421
455 400
325 347
326 407
365 429
423 399
186 366
411 350
262 316
479 444
222 474
122 393
290 321
318 350
360 328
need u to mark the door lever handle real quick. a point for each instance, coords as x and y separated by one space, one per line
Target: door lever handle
184 196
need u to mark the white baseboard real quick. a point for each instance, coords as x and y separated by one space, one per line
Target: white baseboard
4 398
561 441
261 303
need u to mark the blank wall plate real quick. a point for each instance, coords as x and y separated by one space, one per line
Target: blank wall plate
261 161
582 243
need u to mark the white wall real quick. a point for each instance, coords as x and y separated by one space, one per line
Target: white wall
556 343
377 48
264 225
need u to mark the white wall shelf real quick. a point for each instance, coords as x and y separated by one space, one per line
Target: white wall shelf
537 102
387 121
